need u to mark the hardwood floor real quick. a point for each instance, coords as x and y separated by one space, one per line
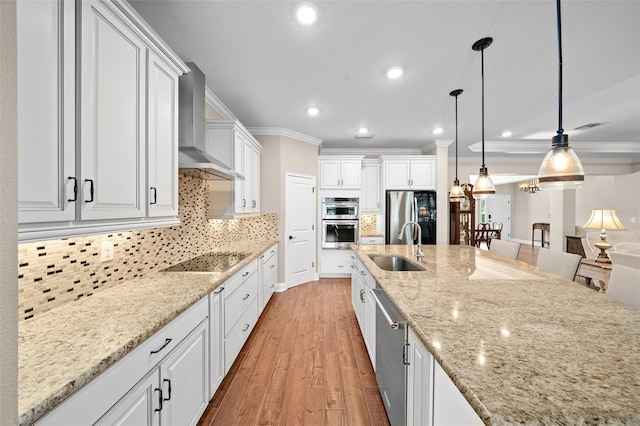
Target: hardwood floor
305 363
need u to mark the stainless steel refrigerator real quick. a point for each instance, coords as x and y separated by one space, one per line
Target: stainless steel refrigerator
404 206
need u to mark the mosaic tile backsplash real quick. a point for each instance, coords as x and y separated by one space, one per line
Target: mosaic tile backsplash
368 224
52 273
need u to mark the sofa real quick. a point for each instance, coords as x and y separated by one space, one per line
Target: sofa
625 247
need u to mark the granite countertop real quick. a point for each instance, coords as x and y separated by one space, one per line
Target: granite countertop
62 350
521 345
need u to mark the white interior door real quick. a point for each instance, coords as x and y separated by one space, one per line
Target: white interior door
300 234
498 209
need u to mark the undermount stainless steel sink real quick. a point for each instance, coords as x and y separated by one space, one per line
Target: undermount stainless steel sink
394 263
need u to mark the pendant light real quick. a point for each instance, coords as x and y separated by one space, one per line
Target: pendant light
456 194
561 167
483 187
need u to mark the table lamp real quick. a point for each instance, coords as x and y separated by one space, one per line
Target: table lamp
603 219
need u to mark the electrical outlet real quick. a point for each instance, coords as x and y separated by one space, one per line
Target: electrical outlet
633 220
106 254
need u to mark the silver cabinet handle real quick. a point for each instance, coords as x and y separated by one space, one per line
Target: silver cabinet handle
362 296
246 296
363 273
245 274
392 323
273 266
246 327
219 290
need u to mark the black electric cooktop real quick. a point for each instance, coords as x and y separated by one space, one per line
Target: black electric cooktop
210 262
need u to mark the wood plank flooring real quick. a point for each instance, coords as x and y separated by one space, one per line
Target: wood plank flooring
305 363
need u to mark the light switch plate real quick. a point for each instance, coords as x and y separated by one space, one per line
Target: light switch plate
106 253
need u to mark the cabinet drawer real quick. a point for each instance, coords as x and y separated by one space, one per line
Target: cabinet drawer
270 286
239 301
270 265
335 266
270 253
371 240
233 283
239 333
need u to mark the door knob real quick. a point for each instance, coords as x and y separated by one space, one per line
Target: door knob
291 237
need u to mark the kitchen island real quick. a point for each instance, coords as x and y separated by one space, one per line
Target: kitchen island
522 346
62 350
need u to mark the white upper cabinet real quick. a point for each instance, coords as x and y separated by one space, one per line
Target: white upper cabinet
46 111
105 158
418 172
162 146
340 172
112 105
370 195
236 148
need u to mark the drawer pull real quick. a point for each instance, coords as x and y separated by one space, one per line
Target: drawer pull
246 327
245 274
272 251
166 342
246 296
75 189
220 290
273 285
363 272
273 266
90 190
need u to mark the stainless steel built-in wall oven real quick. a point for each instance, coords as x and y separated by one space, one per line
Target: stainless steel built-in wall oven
339 234
340 224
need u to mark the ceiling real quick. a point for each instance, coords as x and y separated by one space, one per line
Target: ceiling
267 69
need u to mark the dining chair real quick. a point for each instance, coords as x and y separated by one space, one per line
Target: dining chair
482 234
509 249
559 263
624 285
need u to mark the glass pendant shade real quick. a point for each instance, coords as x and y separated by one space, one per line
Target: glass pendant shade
483 186
560 169
456 194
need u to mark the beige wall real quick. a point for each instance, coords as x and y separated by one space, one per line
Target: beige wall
281 155
8 217
210 113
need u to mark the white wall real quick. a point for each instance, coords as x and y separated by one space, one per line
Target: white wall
8 217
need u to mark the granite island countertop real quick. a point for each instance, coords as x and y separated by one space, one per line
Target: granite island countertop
523 346
62 350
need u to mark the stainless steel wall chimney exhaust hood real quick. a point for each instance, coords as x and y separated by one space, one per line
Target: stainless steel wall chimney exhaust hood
192 138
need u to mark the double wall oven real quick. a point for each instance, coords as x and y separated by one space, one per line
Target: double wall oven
340 222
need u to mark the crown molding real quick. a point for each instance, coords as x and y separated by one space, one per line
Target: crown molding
542 146
287 133
217 104
443 142
371 151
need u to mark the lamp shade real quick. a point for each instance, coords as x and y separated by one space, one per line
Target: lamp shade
456 194
604 219
483 186
560 169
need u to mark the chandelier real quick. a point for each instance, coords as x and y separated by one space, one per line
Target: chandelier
531 186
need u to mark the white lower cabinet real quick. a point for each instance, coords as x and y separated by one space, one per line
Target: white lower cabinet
268 270
419 378
216 339
450 408
138 406
335 263
362 283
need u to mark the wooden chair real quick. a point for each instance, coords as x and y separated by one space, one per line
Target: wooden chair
559 263
482 234
509 249
624 285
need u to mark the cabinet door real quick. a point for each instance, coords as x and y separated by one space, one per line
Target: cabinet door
369 331
423 174
162 143
46 110
397 174
239 200
449 406
247 170
139 407
184 379
419 376
112 139
370 195
350 174
330 174
255 169
216 343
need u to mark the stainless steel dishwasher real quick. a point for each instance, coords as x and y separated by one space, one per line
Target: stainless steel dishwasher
391 365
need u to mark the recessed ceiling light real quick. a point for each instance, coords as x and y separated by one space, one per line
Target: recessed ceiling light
395 72
313 111
306 13
506 133
363 131
438 131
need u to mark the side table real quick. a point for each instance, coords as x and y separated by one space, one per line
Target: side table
542 227
596 271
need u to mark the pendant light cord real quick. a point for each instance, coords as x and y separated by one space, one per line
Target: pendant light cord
482 74
560 129
456 138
